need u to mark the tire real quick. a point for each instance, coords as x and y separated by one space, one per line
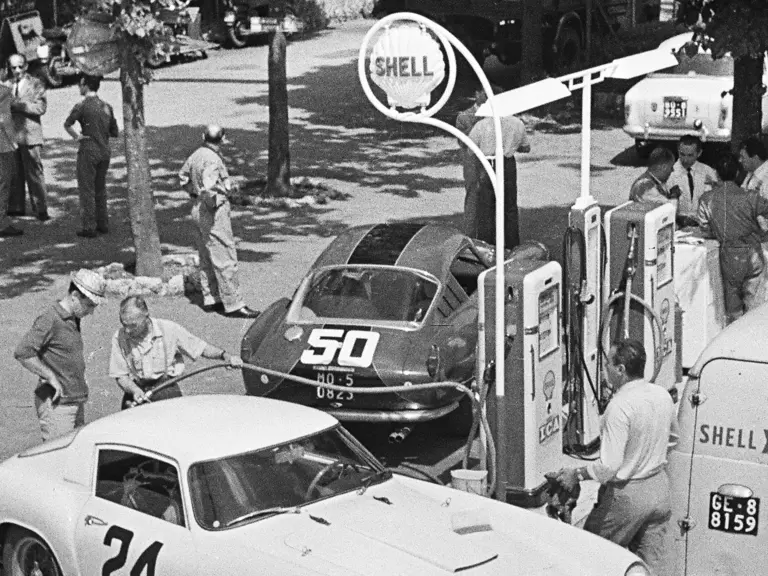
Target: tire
568 54
235 35
25 554
51 76
155 60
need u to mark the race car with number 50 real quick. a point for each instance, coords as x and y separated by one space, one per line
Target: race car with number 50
383 305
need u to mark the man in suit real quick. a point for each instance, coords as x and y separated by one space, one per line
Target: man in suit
7 161
28 104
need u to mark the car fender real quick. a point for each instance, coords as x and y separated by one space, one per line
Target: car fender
267 331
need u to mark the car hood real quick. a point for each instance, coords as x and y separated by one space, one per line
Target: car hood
394 529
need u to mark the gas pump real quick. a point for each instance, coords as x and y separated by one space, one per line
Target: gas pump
525 414
639 284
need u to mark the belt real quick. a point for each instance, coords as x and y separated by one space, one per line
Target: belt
623 483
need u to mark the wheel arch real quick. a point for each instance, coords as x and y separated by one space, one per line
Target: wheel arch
7 525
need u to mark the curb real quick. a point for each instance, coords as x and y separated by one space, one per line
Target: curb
121 283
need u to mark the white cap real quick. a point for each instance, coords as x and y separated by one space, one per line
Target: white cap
90 284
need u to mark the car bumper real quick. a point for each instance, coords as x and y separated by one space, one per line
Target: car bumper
654 133
405 416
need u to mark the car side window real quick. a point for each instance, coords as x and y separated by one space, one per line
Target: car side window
466 267
140 482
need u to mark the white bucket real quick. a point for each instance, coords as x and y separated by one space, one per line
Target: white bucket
472 481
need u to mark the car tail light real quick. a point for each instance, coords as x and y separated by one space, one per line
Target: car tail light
433 361
724 113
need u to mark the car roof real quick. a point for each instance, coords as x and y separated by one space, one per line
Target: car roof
205 427
425 247
745 339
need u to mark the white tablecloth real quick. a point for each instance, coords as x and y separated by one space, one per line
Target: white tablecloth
699 290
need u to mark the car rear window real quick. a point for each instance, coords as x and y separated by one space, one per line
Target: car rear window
703 65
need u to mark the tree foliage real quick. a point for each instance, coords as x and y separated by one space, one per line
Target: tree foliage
738 27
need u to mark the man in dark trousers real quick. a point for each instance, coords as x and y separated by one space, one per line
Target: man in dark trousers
7 161
638 429
29 103
97 125
730 214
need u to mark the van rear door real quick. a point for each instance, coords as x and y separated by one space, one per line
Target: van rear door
719 471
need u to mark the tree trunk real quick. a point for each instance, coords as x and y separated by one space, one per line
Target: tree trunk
279 163
747 100
146 240
532 42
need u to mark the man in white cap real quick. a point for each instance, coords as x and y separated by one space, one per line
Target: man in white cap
53 351
206 179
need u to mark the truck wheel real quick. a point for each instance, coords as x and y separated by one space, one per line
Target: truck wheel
568 50
235 35
25 554
51 76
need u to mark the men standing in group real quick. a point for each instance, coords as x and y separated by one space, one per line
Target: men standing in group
97 125
729 213
206 179
29 103
693 179
147 351
638 428
8 148
480 204
53 351
651 185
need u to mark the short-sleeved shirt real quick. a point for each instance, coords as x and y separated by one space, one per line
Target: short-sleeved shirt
758 180
648 188
56 340
638 428
704 178
160 353
97 122
513 136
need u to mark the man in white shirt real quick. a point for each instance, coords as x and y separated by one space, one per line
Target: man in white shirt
692 177
638 428
754 159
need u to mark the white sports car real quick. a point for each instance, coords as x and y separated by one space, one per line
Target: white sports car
691 98
213 485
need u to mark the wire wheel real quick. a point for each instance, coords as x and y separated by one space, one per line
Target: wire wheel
25 554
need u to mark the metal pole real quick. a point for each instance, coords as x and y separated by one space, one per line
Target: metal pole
586 133
588 30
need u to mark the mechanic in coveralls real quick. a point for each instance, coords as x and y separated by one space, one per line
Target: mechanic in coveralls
730 214
206 179
147 351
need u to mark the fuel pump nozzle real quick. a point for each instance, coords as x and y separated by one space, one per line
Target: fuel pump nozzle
629 272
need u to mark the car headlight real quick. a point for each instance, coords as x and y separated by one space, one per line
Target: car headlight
637 569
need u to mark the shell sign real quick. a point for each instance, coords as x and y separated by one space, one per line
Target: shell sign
408 65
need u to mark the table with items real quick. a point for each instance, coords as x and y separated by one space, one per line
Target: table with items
699 291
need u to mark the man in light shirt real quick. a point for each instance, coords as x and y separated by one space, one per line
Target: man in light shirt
651 185
692 177
754 159
637 430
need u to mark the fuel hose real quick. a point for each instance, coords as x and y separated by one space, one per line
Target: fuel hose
479 418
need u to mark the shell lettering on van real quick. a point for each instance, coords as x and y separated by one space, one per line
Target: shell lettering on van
730 437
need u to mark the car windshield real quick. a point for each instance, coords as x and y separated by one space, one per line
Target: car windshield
702 64
256 485
381 293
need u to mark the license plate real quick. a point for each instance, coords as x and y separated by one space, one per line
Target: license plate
733 514
675 109
336 379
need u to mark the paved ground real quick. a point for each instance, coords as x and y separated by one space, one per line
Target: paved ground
392 171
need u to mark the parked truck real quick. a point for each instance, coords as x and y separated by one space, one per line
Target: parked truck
494 27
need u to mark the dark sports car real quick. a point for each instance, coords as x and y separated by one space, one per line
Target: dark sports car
383 305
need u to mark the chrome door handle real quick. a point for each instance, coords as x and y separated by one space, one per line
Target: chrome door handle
94 521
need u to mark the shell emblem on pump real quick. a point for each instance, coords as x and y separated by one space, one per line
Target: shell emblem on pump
549 385
407 64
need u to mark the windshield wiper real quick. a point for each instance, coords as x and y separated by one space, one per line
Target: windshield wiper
266 511
368 481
